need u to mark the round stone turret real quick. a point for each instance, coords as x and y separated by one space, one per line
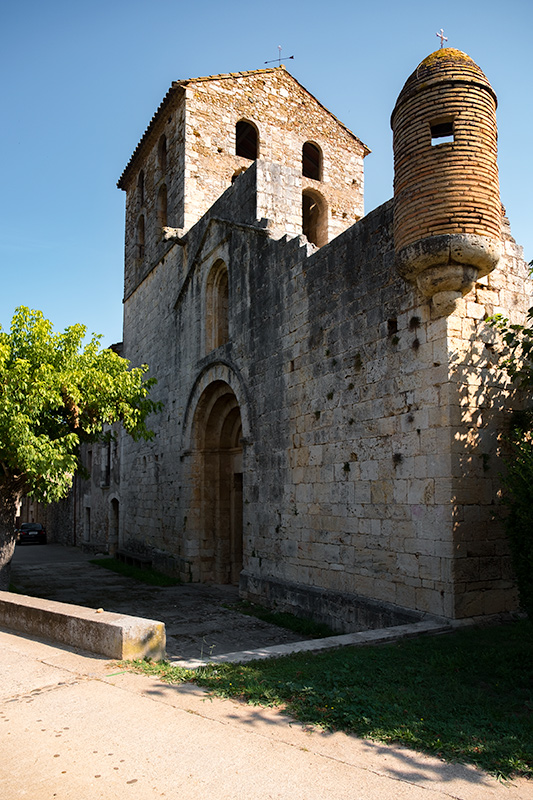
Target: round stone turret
447 209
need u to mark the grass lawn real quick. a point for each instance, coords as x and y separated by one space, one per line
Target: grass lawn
150 576
465 696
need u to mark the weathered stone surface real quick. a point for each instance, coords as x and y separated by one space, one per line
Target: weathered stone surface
326 429
447 211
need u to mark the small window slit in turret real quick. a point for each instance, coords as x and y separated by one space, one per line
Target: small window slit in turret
441 133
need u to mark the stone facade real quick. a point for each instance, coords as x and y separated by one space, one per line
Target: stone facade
189 152
330 436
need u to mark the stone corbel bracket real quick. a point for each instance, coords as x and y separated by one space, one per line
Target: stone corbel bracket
174 235
446 267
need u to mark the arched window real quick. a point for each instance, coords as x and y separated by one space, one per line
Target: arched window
311 161
217 307
314 218
162 207
162 153
140 237
140 188
246 140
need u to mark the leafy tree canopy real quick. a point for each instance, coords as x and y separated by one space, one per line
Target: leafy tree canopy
55 393
517 360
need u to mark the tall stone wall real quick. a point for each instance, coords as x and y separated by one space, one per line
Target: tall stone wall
142 201
480 404
370 458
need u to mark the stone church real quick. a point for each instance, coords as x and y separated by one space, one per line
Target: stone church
331 427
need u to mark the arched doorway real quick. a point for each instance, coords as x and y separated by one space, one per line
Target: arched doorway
217 435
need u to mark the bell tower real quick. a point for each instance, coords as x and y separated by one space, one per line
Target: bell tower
447 209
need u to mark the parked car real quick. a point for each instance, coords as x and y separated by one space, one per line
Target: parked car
31 532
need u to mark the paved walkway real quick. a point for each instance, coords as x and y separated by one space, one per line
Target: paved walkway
77 727
199 619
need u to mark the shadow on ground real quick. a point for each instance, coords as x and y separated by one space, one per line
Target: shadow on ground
198 623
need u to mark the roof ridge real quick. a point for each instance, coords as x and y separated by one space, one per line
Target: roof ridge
242 74
183 84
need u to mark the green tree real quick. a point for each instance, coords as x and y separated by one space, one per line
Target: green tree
55 394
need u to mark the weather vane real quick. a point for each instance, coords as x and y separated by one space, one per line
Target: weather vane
278 59
442 38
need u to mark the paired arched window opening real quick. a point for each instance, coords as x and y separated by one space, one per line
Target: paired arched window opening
162 153
217 307
162 207
246 140
311 161
140 237
314 218
140 188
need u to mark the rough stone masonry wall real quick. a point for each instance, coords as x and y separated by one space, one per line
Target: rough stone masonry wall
150 489
164 326
286 116
353 400
91 518
172 126
387 466
480 401
347 498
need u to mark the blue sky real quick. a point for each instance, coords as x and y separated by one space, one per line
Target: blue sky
82 80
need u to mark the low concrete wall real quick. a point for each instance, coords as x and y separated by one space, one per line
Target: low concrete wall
102 632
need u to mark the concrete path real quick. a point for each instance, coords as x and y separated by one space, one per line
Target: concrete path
76 727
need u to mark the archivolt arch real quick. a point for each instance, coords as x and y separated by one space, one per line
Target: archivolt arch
220 371
215 477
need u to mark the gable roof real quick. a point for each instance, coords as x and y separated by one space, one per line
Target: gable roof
178 88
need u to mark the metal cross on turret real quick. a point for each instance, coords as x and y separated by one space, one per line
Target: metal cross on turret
442 37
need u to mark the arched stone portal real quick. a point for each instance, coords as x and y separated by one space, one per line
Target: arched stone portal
217 481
